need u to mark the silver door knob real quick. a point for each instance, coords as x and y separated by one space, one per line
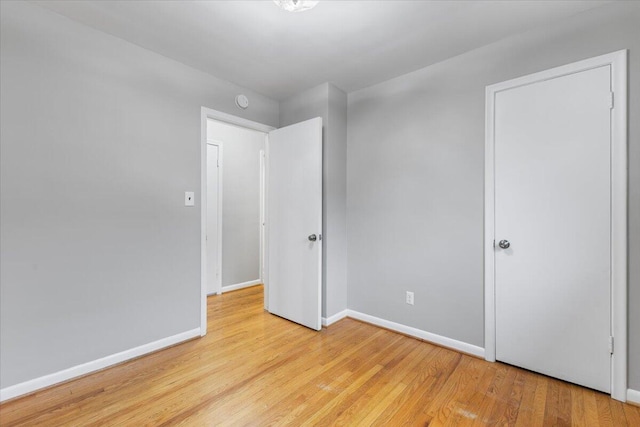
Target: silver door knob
504 244
313 237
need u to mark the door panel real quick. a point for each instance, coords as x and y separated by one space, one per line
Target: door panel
552 203
213 269
294 212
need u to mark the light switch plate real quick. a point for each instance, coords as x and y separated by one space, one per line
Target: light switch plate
189 198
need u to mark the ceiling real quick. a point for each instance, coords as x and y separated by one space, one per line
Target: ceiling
352 44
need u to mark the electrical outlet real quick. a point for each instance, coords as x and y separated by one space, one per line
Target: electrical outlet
409 298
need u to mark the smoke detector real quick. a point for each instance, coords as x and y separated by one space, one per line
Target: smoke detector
242 101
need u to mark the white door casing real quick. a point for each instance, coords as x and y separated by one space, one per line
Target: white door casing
263 204
556 189
214 217
294 213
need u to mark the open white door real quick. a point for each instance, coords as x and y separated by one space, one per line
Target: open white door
294 222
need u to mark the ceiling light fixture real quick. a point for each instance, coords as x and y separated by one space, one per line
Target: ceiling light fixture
296 5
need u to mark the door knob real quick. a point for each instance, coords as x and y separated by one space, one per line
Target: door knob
313 237
504 244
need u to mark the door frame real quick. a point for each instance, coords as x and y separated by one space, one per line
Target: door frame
218 285
263 221
205 114
618 62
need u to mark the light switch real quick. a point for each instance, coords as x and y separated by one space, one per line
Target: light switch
189 198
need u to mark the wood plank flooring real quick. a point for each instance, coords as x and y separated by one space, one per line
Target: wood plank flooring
256 369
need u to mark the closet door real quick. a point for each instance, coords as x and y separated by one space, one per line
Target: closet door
553 227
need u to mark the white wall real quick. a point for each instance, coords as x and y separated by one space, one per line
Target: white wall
415 176
330 103
240 201
99 140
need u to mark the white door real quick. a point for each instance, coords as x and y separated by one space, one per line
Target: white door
294 222
552 205
213 236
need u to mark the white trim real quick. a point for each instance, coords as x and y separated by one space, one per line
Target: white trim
204 211
265 257
95 365
619 177
440 340
328 321
235 120
241 285
320 241
261 159
203 222
618 62
489 233
205 114
633 396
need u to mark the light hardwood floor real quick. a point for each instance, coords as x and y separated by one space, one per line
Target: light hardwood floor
256 369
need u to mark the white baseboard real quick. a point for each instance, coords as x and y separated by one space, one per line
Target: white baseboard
633 396
418 333
95 365
327 321
240 285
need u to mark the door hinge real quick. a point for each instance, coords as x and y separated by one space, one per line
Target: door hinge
611 345
610 100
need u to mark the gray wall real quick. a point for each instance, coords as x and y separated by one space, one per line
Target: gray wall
100 138
330 103
415 176
240 201
335 182
99 141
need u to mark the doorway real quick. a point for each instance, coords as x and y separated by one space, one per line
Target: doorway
287 238
555 223
206 287
234 206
